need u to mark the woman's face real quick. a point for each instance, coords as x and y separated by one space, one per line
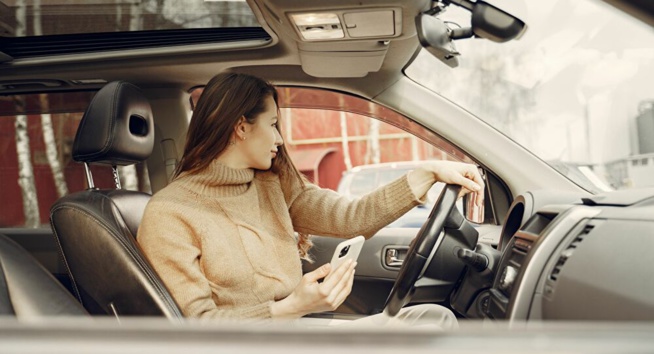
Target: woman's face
262 138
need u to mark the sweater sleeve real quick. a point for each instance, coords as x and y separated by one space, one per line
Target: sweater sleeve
324 212
171 245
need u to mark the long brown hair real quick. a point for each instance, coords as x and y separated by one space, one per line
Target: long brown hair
226 98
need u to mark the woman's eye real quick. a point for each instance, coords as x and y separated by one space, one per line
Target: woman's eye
274 125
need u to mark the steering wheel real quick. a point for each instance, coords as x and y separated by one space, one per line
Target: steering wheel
427 244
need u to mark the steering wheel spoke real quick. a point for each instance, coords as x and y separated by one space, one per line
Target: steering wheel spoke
432 245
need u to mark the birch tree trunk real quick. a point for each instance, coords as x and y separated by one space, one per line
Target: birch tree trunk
415 153
51 153
46 120
373 153
373 141
25 169
26 174
344 137
127 174
345 142
36 16
119 15
135 16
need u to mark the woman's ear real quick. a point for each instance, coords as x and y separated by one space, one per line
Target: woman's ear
241 128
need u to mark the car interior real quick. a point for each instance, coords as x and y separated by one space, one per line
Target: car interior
542 248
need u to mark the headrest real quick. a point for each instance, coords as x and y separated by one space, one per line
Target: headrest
116 128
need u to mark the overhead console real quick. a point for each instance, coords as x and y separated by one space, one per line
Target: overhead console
348 24
381 24
590 260
346 39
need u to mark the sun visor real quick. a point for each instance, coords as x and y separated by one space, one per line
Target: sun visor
341 64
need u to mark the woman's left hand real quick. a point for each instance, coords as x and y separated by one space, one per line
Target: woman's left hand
450 172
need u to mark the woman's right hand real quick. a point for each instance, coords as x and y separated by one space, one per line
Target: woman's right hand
310 296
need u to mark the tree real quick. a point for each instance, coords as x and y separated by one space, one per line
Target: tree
373 151
494 86
344 137
51 149
127 174
119 15
415 153
46 120
135 19
25 169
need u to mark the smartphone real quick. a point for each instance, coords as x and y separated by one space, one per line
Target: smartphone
348 249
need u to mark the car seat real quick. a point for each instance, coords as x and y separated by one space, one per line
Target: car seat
28 290
96 228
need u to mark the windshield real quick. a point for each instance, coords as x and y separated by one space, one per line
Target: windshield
575 89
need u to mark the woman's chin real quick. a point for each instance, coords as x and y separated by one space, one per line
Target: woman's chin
264 166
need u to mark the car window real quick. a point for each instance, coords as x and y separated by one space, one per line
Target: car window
354 146
36 167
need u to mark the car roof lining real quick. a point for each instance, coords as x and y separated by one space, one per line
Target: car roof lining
178 69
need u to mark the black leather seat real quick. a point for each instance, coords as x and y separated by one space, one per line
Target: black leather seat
96 229
28 290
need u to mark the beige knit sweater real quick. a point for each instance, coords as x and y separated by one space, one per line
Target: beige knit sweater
222 240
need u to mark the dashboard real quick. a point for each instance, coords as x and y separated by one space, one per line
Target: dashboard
571 257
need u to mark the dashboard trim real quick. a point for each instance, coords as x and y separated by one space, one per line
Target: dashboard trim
521 299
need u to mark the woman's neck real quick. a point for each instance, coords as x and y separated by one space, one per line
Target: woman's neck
232 159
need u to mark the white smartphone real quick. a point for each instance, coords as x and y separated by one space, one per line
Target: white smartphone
348 249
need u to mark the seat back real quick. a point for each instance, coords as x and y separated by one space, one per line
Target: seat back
96 229
28 290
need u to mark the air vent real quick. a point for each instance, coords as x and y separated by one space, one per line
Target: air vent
522 245
567 253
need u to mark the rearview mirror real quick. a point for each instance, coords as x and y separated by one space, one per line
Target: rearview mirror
434 35
494 24
487 22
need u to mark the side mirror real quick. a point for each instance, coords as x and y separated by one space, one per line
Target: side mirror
471 211
495 24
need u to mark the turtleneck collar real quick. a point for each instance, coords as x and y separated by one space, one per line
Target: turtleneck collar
218 180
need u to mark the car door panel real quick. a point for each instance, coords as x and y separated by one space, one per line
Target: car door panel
373 279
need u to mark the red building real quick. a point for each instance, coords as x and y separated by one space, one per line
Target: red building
315 141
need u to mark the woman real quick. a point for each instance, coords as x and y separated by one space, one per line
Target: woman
222 234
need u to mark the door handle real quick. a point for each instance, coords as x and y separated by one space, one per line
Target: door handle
392 258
